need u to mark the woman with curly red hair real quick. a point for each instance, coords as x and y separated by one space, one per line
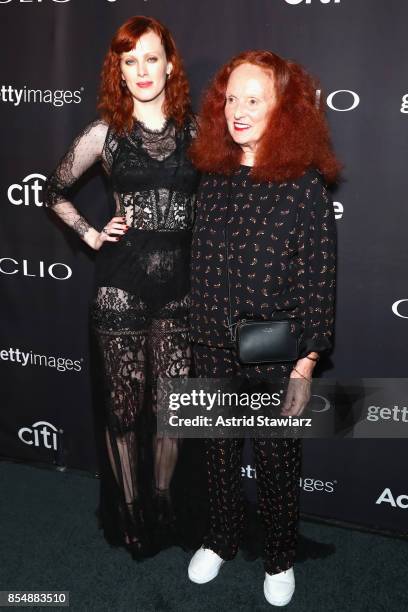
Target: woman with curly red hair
139 313
264 249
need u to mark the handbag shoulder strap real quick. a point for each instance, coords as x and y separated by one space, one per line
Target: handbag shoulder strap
231 326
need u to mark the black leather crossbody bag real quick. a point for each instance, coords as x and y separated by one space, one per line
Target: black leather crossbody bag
261 341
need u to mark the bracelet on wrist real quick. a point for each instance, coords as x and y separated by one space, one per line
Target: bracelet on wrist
300 373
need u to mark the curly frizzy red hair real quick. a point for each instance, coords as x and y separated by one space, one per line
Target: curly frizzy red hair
115 102
296 137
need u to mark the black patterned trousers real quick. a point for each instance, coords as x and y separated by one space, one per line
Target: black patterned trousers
277 463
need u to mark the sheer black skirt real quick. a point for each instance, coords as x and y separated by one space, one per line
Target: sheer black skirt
137 337
147 482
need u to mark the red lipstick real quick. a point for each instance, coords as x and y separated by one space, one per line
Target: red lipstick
240 128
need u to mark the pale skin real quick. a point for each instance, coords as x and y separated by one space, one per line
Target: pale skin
249 99
144 71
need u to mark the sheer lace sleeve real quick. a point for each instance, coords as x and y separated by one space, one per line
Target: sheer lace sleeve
87 148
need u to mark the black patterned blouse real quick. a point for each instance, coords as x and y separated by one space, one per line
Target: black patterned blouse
282 256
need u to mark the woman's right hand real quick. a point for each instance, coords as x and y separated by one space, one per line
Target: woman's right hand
112 232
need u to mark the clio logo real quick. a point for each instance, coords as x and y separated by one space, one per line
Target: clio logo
57 1
32 1
396 308
341 100
39 269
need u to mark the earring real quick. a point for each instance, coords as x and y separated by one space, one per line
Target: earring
123 83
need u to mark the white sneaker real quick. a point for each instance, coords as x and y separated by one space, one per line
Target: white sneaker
204 565
279 588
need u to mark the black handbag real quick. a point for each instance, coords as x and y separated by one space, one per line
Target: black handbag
261 341
265 342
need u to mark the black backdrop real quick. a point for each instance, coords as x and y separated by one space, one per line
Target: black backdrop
51 55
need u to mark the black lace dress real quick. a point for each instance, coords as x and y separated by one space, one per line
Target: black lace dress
138 316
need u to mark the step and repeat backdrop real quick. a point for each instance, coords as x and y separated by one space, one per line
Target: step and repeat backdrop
51 57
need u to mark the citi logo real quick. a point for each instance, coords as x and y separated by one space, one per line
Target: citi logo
312 484
312 1
397 308
28 192
57 97
38 269
341 100
387 497
40 433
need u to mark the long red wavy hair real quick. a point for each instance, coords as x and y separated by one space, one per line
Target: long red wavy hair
297 134
115 102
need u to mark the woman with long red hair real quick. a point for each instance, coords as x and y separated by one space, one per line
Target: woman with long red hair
139 313
264 249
